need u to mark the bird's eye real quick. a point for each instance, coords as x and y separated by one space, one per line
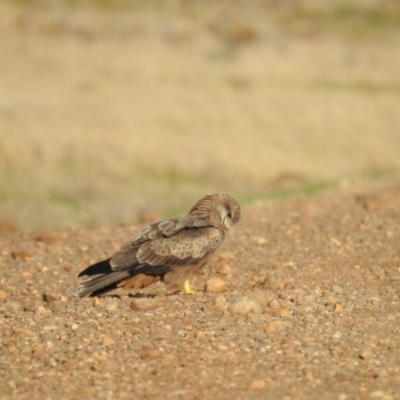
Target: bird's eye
229 215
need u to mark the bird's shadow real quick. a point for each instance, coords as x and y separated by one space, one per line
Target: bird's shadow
139 295
130 295
142 295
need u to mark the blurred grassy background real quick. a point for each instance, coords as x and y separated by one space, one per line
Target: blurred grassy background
111 109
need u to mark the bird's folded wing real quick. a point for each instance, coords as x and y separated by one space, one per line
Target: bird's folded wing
188 247
169 227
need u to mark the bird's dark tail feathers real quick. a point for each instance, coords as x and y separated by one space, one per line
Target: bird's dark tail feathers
99 278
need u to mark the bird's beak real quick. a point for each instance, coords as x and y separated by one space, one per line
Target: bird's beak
226 222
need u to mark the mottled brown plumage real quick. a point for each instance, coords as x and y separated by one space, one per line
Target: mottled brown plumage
170 250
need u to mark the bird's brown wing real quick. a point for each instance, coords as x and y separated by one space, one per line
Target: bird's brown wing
126 258
187 247
169 227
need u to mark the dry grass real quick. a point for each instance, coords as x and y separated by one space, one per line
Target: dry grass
104 116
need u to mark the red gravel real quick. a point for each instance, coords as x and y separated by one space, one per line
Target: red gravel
310 310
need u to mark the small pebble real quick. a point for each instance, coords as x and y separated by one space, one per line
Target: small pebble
385 342
337 335
112 306
262 297
245 306
374 300
261 241
318 291
338 308
282 312
337 289
277 326
330 300
68 267
49 345
49 328
20 332
224 269
145 303
370 204
49 297
377 394
107 341
47 239
22 254
37 348
335 350
220 302
3 295
366 355
309 298
378 271
96 301
257 384
274 283
215 285
40 310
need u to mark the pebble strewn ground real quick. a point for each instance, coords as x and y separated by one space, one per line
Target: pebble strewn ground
301 303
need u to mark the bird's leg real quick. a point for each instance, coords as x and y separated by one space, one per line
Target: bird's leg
187 289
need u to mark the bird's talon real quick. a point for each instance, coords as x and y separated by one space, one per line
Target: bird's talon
187 289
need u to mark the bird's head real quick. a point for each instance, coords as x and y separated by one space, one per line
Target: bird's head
221 209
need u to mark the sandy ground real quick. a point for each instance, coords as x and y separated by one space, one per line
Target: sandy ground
309 310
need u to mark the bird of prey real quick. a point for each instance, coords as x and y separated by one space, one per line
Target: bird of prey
170 250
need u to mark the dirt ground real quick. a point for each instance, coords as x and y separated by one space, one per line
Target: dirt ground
310 310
